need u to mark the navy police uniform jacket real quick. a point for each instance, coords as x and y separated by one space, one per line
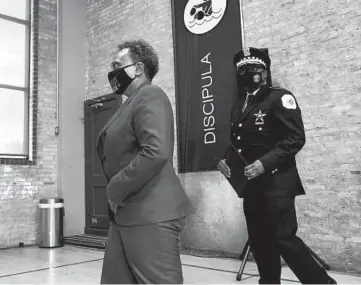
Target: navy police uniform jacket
270 130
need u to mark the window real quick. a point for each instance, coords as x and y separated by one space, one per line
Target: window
16 78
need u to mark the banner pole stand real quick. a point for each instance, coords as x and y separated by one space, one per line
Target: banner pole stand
244 257
247 249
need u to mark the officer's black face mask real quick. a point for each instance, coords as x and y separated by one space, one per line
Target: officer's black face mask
119 80
251 77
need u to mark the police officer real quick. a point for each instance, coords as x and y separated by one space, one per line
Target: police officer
267 129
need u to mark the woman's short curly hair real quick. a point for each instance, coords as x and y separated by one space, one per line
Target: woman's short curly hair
141 51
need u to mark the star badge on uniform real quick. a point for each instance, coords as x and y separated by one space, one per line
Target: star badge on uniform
259 118
288 101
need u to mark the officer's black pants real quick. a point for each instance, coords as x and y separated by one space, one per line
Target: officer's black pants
272 227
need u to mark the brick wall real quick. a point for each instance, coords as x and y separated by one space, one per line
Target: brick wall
21 186
109 22
315 46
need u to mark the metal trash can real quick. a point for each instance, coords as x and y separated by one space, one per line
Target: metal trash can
51 214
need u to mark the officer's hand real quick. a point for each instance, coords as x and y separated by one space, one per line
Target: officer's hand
224 168
253 170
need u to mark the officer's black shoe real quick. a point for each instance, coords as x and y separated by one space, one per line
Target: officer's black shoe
263 280
331 281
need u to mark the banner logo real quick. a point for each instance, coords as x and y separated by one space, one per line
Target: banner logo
201 16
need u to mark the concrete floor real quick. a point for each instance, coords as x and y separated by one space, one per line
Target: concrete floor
75 265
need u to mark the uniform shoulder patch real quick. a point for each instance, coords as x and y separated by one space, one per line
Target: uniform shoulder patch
288 101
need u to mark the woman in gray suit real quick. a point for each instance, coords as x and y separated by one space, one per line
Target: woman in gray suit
148 204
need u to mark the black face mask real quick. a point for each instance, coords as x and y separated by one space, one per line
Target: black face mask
251 80
119 80
251 77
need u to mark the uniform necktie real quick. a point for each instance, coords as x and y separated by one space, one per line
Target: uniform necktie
248 99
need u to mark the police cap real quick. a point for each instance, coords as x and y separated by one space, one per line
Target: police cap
251 55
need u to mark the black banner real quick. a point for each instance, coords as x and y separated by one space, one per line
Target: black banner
207 34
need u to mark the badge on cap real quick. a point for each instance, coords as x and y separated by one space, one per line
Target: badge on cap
288 101
246 52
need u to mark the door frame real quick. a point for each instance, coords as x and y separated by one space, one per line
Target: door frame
89 104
